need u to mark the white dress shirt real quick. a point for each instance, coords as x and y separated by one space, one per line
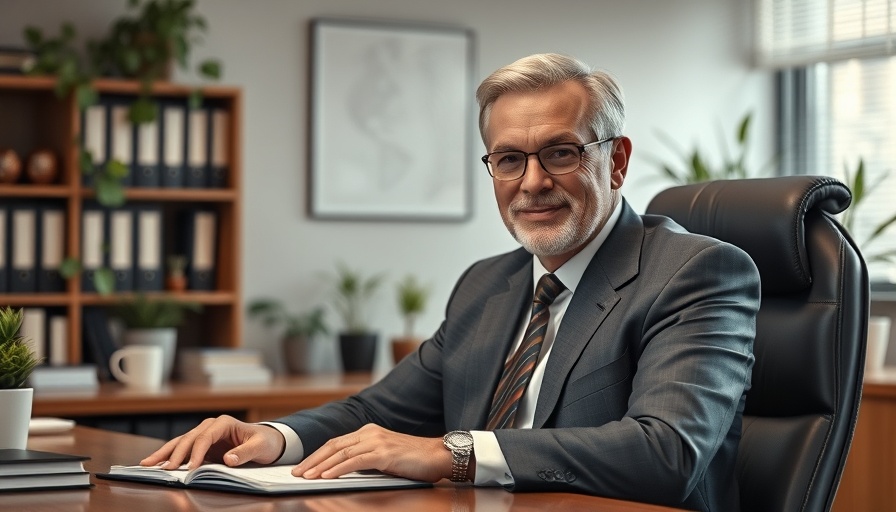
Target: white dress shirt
491 466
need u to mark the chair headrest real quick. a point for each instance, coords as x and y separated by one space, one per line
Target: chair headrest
763 216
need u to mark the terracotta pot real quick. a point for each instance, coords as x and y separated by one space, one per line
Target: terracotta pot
402 347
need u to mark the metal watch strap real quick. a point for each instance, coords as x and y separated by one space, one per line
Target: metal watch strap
460 444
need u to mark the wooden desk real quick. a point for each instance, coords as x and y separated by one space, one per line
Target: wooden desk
108 448
253 403
869 479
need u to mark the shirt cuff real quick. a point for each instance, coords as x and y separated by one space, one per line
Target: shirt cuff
293 452
491 466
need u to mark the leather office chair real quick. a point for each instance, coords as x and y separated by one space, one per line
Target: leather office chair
810 334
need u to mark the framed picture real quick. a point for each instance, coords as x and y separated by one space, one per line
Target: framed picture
391 111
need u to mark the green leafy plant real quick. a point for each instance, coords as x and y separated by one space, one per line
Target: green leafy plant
856 183
273 314
412 298
142 312
17 361
352 290
694 167
139 46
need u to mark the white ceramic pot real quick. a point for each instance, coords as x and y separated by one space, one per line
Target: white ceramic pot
163 337
16 407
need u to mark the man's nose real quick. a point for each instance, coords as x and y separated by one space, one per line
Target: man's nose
535 178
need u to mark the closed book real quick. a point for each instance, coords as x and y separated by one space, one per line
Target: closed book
64 377
231 377
45 481
212 355
35 462
16 61
255 479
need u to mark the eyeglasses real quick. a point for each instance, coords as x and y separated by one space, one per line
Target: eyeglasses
555 159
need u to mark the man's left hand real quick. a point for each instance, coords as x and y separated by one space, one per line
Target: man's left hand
373 447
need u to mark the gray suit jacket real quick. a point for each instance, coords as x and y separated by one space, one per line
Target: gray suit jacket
644 389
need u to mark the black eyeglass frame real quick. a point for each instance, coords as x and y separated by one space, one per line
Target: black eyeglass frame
580 147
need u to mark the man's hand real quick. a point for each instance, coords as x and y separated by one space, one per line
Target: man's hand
373 447
223 438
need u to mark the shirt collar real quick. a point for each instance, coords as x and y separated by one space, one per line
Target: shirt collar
571 272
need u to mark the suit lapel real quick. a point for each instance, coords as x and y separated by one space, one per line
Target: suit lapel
501 318
615 264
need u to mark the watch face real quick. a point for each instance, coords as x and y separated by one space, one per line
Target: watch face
459 440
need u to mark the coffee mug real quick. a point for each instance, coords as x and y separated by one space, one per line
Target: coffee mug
138 366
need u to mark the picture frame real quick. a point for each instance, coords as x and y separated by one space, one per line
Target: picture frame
391 109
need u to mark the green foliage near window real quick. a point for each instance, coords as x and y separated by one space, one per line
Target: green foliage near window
860 191
274 315
141 312
17 361
412 297
694 167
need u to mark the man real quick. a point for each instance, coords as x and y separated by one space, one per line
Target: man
630 376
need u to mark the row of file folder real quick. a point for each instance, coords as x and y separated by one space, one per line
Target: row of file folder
129 240
32 246
182 148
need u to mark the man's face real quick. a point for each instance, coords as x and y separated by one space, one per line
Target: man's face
552 216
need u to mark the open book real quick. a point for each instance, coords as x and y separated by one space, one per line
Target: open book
256 479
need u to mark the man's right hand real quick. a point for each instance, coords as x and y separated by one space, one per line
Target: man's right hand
222 439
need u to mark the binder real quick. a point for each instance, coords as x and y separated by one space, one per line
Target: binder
98 342
148 248
121 247
121 136
94 136
173 138
93 242
51 249
57 333
220 146
199 241
4 249
197 148
23 253
34 322
147 167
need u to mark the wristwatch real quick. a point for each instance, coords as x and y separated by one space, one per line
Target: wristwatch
460 443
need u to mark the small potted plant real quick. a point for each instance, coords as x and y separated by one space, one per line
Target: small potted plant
154 322
357 342
299 330
176 278
17 361
412 297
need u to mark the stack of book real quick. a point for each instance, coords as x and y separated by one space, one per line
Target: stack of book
70 378
223 367
32 469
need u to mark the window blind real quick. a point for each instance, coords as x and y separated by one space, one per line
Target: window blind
792 33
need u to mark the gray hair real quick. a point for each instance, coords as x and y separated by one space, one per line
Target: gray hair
606 108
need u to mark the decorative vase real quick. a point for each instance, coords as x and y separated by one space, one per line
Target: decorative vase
402 347
357 351
297 354
42 167
16 407
10 165
161 337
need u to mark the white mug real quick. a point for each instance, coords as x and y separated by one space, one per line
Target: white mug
138 366
878 339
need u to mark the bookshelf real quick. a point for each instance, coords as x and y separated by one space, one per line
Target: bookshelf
32 117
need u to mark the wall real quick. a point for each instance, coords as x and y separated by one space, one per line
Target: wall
684 66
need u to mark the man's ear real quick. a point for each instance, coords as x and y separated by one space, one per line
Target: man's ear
622 151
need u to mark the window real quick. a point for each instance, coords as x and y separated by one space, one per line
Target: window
837 92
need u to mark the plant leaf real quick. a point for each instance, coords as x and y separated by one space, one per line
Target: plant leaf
70 267
104 281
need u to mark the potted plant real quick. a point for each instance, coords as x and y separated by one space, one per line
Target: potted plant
154 322
412 297
176 278
141 46
17 361
351 293
299 330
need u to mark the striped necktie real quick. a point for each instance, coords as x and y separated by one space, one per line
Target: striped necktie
518 369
